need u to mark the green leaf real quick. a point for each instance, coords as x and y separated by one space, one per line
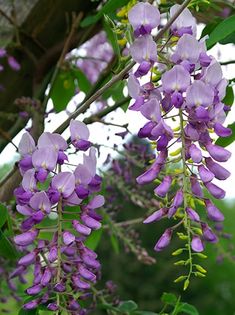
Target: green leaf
221 31
144 313
188 309
7 250
93 240
169 298
230 39
28 312
127 306
224 142
229 97
109 7
82 81
62 90
111 35
115 243
3 215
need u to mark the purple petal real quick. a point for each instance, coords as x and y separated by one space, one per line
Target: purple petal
68 238
163 188
78 130
97 202
80 228
64 182
156 216
164 240
176 79
218 153
213 213
144 17
27 259
219 171
90 222
216 191
195 153
221 131
29 181
40 201
197 244
192 214
53 140
205 175
26 145
45 158
26 238
151 110
199 94
144 49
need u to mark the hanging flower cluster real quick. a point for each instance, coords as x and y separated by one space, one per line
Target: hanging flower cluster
64 268
191 91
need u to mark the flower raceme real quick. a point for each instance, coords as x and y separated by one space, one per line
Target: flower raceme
62 262
191 90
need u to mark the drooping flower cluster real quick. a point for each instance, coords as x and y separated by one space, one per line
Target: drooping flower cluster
63 264
191 91
98 52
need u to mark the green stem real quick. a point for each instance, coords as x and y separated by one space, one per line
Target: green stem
58 275
185 192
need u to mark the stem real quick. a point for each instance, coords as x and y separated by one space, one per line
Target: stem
58 275
185 191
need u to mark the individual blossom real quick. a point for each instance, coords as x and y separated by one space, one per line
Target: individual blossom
143 17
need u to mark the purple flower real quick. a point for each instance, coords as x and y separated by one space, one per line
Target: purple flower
195 153
197 244
90 222
81 228
34 290
26 145
164 240
27 259
143 17
205 175
13 63
219 171
156 216
31 305
79 135
184 24
97 202
26 238
151 110
163 188
46 277
44 158
218 153
40 201
177 79
64 182
221 131
213 213
187 49
192 214
208 233
53 254
150 174
68 238
144 49
199 94
216 191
